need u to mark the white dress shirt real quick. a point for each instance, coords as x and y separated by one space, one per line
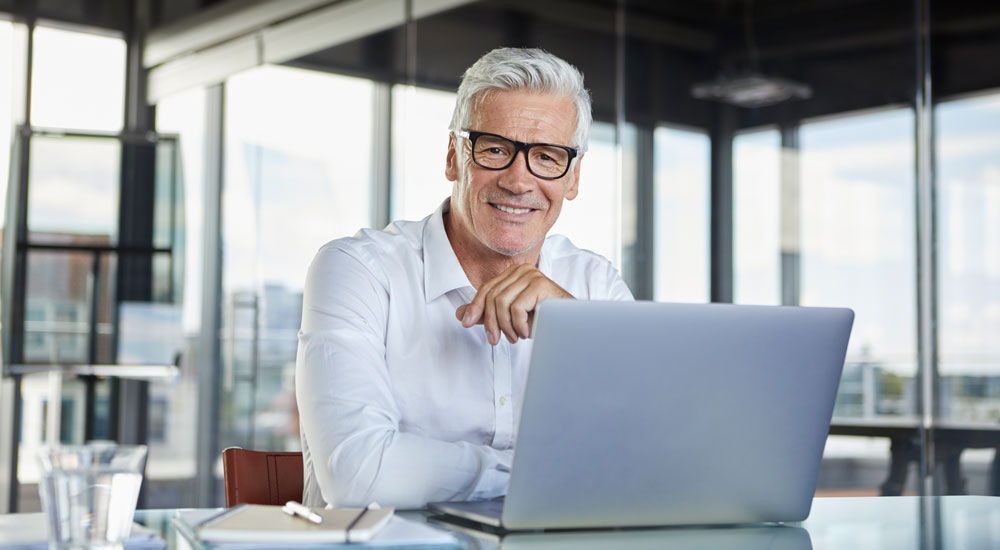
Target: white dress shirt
398 402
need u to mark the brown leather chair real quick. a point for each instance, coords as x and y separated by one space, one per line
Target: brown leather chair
260 477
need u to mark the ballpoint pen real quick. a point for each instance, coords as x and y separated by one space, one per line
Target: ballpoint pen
347 531
295 509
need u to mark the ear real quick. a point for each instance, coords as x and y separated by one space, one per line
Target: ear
451 160
573 188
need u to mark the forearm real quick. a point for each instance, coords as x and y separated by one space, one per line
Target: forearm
408 471
360 454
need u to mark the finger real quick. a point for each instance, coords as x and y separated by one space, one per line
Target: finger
474 309
490 321
460 315
496 316
505 301
522 313
539 288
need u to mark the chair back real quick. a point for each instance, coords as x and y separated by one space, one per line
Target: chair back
261 477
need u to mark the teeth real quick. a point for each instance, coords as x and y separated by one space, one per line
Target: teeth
512 210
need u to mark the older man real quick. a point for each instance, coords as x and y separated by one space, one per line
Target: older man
402 398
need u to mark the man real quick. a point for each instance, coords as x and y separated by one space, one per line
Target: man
402 398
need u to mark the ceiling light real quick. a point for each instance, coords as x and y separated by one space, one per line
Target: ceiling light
751 91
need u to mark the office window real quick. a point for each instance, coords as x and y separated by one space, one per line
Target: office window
757 217
298 169
681 215
858 250
183 114
74 185
968 178
78 80
593 219
420 119
298 173
7 64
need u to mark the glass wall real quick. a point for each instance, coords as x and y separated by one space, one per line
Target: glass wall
7 92
808 132
757 241
173 406
681 215
298 171
968 268
77 84
761 153
77 80
858 250
420 119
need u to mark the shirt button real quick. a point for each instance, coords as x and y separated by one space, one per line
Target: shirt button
503 401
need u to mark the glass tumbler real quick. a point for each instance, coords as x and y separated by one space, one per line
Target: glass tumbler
89 492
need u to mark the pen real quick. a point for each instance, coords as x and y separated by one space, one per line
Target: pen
347 532
295 509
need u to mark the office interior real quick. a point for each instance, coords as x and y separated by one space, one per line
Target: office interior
171 167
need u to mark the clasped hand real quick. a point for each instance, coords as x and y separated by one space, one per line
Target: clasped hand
507 303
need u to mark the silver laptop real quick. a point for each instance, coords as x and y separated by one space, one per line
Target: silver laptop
650 414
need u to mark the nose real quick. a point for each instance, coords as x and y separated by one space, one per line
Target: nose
516 178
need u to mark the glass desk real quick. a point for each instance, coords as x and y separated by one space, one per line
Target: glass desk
884 523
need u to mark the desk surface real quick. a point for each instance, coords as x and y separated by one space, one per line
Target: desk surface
885 523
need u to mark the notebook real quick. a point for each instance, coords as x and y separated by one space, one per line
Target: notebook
257 523
650 414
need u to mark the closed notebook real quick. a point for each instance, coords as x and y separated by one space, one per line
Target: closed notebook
257 523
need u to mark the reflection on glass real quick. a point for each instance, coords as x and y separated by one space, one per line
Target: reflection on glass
297 171
78 80
968 180
593 219
73 190
298 174
968 164
184 114
173 405
756 218
57 307
420 121
857 235
149 333
681 215
108 277
768 537
163 278
167 196
6 105
44 420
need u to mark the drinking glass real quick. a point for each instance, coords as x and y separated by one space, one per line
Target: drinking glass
89 493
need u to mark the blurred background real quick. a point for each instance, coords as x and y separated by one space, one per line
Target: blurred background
171 167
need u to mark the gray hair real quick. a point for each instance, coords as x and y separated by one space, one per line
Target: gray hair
523 69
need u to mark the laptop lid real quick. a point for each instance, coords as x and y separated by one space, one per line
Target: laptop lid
641 413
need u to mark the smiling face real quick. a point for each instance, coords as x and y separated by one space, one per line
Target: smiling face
509 211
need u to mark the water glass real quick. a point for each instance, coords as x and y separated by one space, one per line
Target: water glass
89 493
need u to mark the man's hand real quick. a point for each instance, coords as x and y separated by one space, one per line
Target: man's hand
507 302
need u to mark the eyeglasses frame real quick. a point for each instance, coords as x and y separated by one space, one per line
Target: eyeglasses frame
519 146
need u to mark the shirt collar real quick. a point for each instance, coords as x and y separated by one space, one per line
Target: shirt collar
442 271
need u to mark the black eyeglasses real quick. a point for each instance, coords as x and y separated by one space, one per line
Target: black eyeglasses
495 152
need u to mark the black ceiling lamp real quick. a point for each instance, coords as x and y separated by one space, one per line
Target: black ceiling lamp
751 88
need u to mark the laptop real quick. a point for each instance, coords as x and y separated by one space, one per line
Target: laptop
654 414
